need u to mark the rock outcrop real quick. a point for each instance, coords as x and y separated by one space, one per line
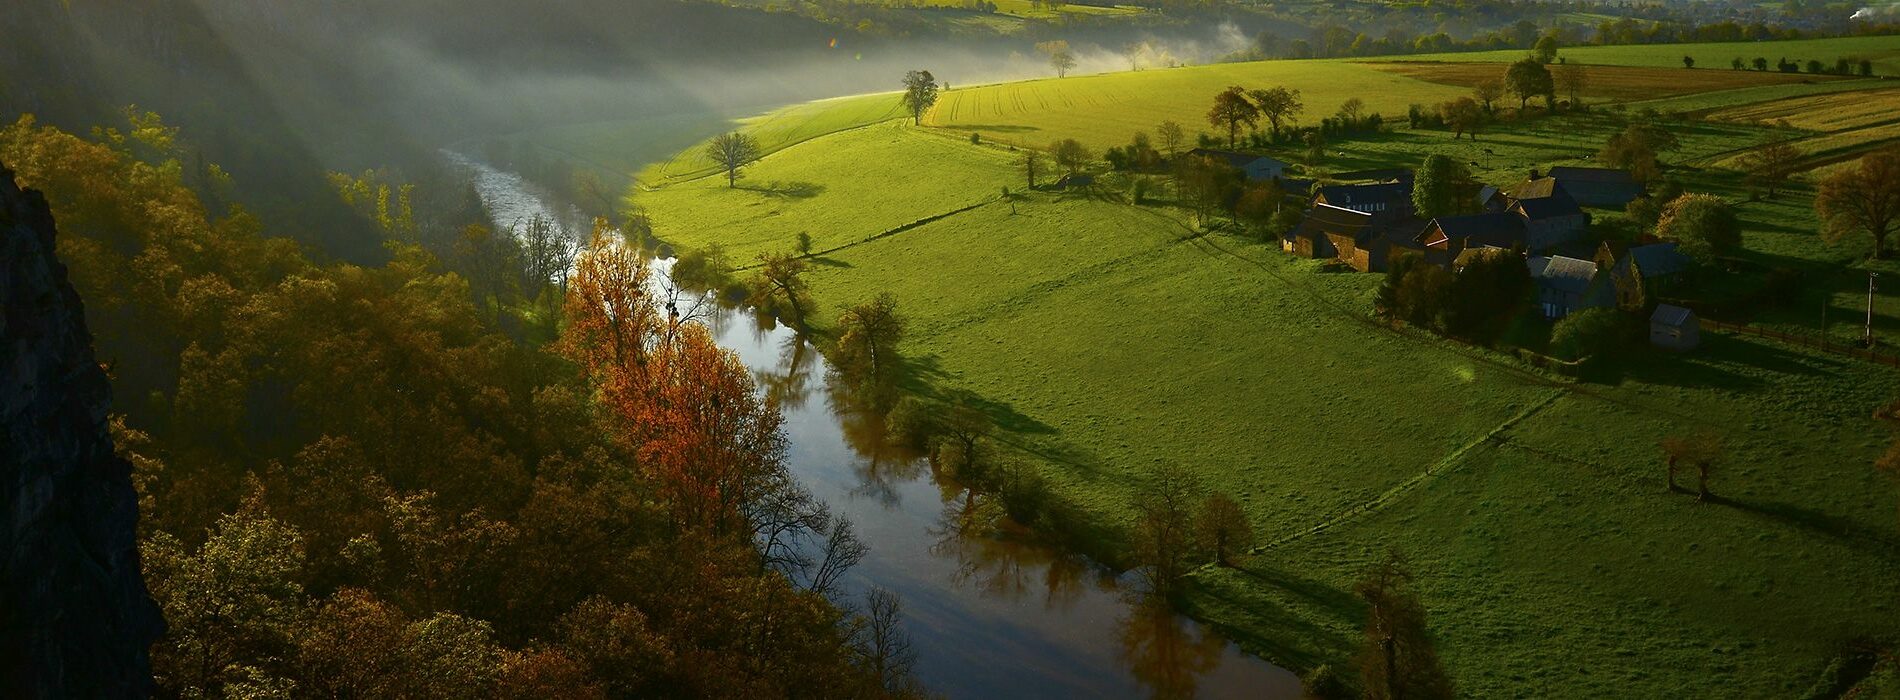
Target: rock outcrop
76 620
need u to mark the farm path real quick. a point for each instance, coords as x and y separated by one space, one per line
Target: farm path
1445 464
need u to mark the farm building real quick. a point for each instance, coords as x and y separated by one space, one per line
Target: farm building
1385 200
1640 272
1674 328
1550 221
1605 188
1255 167
1566 285
1451 235
1312 238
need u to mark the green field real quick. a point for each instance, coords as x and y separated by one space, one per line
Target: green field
1109 338
1884 51
891 175
1105 110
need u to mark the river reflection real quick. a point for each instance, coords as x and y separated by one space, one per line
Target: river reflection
991 614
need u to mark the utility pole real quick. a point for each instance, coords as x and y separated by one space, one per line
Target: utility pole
1868 336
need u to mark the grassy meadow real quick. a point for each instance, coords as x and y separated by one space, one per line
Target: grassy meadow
1106 110
1106 338
1617 83
1884 51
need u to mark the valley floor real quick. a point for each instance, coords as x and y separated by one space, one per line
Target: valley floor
1109 337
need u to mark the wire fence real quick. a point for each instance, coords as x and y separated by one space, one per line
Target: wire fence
1812 340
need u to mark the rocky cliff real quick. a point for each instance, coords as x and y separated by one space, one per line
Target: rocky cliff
75 618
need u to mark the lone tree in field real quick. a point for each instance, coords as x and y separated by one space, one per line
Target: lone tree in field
1060 58
1171 137
1771 165
1688 61
1396 659
867 339
1071 155
1488 91
1700 450
732 151
1223 528
1279 105
1436 189
1527 79
920 93
1571 80
1705 226
1862 199
1231 109
779 288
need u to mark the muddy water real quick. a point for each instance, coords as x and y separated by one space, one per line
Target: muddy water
989 616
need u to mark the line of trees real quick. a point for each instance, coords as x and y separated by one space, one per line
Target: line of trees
353 482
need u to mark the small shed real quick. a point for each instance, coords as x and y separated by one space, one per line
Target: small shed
1674 328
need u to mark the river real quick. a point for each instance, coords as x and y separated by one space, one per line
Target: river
988 616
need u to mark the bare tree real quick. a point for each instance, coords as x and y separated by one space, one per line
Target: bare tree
1060 58
1171 137
1571 80
732 151
1164 538
883 647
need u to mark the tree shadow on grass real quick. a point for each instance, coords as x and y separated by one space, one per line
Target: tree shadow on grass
1847 531
1713 365
829 262
787 190
996 128
1292 637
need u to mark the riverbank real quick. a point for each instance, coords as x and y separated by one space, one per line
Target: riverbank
1106 338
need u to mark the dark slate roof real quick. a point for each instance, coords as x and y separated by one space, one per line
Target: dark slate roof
1567 274
1323 219
1394 195
1501 229
1671 315
1233 158
1549 206
1659 259
1607 176
1534 188
1380 175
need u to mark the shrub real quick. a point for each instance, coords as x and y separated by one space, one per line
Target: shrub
1598 333
1704 225
911 423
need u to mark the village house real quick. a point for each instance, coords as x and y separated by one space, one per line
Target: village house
1640 272
1312 238
1257 168
1567 285
1551 216
1604 188
1445 237
1674 328
1385 201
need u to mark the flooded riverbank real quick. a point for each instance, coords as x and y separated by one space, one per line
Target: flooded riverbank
989 616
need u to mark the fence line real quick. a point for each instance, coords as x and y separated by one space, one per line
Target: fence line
1812 341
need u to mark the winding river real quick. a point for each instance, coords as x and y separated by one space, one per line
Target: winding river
988 617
